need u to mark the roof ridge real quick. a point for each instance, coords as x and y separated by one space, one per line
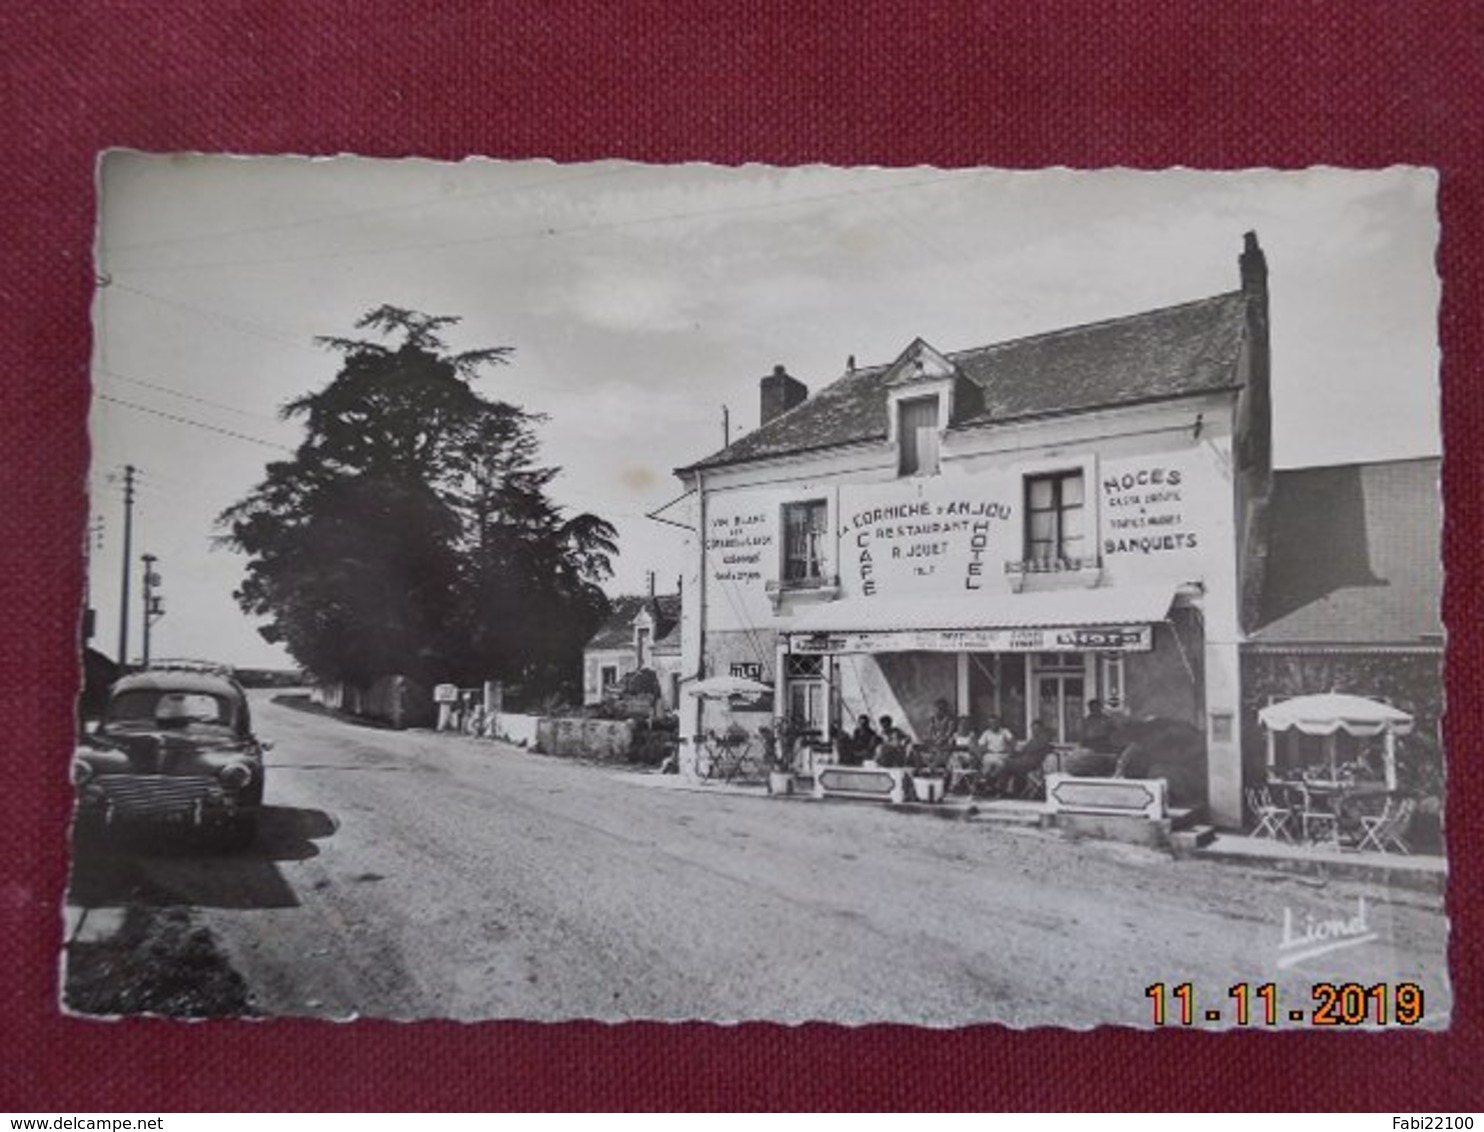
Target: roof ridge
1062 331
1436 458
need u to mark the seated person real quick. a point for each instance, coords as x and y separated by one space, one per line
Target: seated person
1016 769
996 744
860 744
963 756
893 746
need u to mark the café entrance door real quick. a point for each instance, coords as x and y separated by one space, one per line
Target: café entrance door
1059 694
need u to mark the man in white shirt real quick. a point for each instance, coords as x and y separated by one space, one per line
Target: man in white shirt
996 742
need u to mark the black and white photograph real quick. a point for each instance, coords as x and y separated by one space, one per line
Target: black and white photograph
932 596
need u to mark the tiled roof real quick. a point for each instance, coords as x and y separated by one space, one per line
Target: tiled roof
1355 556
618 631
1172 352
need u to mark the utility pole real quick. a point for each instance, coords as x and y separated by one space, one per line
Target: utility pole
128 552
153 609
726 427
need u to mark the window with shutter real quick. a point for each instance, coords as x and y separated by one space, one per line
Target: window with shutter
917 436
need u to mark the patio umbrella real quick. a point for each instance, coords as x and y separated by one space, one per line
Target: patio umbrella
724 687
1330 713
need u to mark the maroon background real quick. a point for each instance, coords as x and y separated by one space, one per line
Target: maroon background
1283 83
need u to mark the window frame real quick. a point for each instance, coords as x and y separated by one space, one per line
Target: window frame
900 407
1058 558
818 560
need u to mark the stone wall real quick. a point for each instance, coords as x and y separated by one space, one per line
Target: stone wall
602 739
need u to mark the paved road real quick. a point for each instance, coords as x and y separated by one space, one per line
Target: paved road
408 875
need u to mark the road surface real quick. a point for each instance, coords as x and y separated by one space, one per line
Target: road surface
412 875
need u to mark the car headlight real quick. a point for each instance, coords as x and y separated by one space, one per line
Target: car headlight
235 776
82 773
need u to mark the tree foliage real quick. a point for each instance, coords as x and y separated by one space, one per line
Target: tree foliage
411 531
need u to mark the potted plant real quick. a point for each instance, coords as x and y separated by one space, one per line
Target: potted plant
778 756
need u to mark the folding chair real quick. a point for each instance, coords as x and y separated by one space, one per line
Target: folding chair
1377 831
1270 818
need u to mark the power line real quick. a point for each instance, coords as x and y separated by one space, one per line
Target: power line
185 396
247 327
377 210
193 423
571 230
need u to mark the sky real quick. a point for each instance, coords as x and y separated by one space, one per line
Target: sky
641 300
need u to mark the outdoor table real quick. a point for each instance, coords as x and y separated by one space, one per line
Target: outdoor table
1318 805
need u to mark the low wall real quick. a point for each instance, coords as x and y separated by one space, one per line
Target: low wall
604 739
513 727
397 700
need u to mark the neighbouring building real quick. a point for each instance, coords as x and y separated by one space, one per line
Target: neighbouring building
1352 600
1016 528
640 632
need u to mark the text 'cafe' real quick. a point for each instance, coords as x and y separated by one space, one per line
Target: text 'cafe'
1016 529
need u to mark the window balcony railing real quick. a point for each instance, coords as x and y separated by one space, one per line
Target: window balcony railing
816 585
1085 569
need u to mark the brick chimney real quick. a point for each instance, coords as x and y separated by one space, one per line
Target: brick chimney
1254 265
780 393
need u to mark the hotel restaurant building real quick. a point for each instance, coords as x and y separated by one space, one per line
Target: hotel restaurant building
1017 528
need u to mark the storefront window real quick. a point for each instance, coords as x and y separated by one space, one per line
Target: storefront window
806 694
1054 519
803 541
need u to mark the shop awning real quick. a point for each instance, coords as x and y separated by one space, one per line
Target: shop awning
1112 605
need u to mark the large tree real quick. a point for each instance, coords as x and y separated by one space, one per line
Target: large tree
411 531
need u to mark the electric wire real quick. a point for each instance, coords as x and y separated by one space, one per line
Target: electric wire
193 423
553 232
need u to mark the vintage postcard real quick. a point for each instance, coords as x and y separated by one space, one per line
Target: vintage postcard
930 596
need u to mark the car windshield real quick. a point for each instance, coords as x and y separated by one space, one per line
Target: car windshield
150 708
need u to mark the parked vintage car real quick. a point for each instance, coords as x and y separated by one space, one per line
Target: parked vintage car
175 747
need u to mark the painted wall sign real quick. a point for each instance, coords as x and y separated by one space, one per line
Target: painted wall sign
950 535
741 558
1119 638
1156 513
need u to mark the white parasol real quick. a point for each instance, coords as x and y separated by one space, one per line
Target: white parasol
1330 713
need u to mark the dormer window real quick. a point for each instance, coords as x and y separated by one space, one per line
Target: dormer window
918 427
924 392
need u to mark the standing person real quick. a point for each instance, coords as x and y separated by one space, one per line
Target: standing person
932 753
941 727
1097 729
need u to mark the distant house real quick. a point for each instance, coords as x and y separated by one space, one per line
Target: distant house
641 632
1352 593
